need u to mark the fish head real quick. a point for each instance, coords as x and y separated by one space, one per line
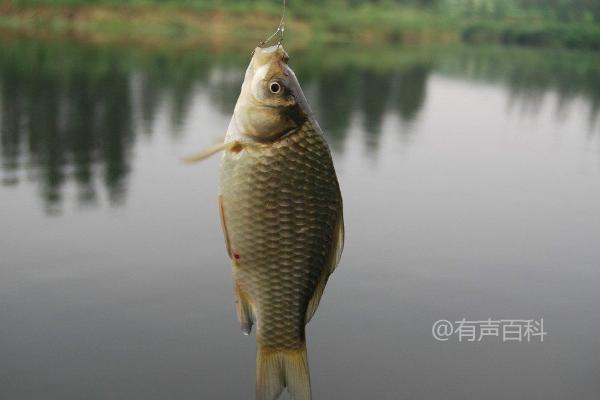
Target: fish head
271 102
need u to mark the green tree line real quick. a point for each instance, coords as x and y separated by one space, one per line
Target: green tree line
551 23
562 10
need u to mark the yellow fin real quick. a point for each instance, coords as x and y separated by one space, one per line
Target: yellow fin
209 151
244 310
278 369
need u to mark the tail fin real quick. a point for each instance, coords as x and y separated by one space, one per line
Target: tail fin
276 370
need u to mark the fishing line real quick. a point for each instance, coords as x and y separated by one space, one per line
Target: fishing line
280 29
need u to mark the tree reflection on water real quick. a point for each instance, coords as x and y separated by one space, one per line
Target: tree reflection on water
72 112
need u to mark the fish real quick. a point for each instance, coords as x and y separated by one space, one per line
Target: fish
282 217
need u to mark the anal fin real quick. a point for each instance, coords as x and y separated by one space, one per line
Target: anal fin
244 310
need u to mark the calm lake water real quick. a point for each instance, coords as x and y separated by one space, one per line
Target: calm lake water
471 180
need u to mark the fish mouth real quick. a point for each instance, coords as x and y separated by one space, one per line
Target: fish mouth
268 49
265 55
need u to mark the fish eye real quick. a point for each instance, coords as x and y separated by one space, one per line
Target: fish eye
275 87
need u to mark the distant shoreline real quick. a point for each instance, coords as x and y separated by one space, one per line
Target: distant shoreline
179 26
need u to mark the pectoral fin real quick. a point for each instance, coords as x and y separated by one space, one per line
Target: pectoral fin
209 151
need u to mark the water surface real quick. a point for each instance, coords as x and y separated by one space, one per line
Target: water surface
471 180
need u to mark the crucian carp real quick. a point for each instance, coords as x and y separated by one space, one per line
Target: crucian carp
281 213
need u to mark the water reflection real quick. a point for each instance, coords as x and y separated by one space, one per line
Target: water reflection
373 93
531 75
72 112
65 118
336 100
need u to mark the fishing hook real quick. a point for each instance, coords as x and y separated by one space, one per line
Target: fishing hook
280 29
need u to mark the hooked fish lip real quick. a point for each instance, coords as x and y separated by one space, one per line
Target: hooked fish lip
264 55
268 49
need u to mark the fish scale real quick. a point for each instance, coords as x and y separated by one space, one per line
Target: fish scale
280 205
